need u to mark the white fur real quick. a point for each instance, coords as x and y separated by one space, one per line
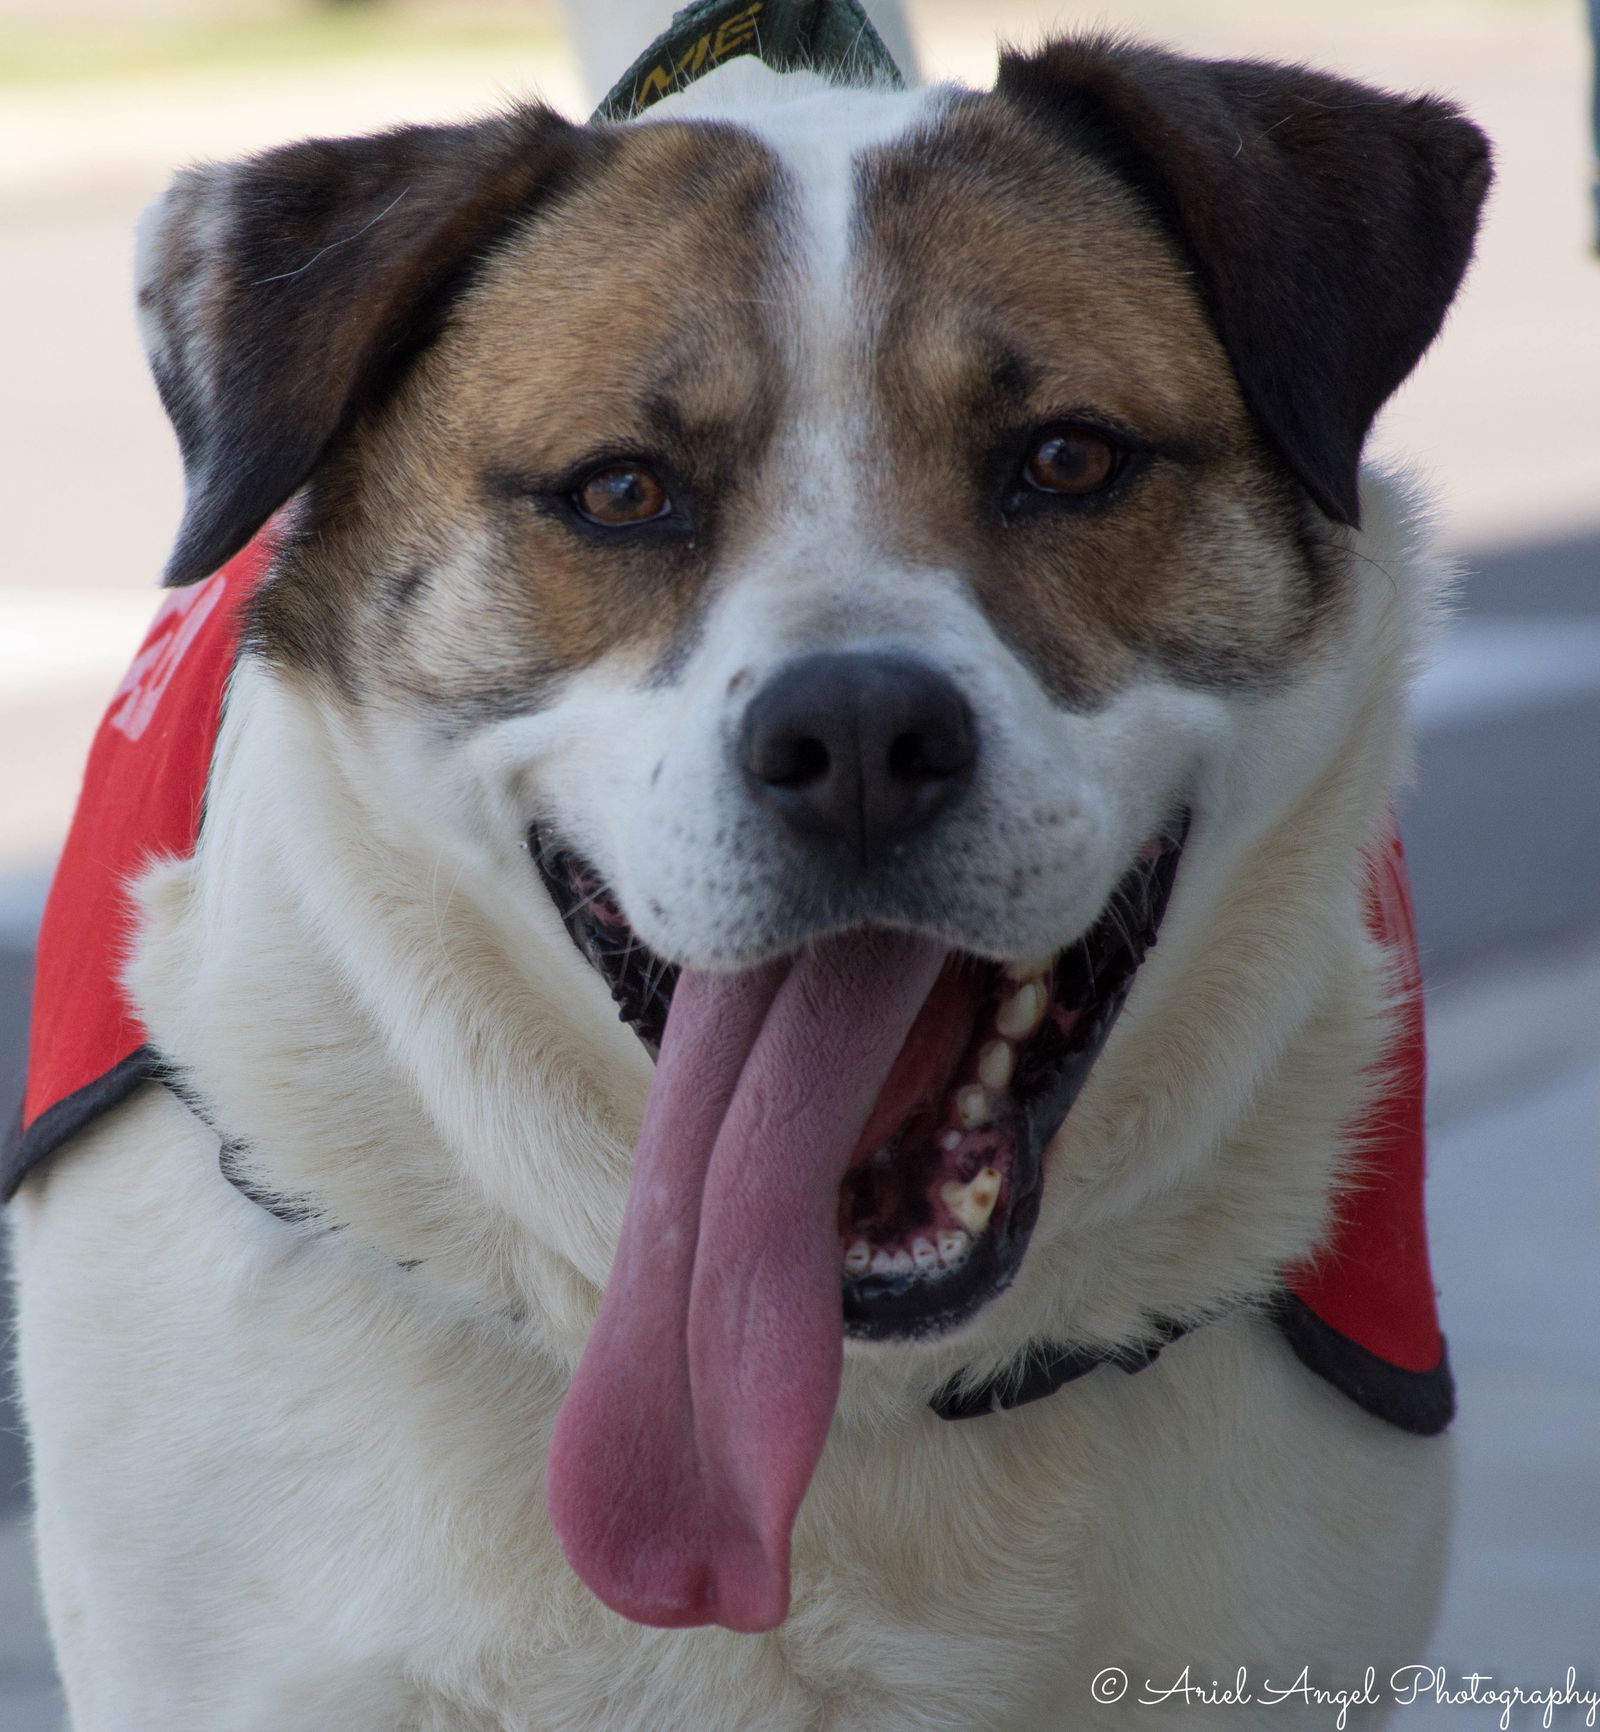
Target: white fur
292 1478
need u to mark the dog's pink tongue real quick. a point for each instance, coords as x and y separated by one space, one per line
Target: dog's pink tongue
695 1421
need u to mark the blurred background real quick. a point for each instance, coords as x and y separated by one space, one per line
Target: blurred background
101 99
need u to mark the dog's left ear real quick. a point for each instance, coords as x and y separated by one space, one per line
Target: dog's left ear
1329 224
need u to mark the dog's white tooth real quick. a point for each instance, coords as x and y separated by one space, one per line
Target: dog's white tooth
972 1107
1031 969
882 1263
924 1255
952 1247
858 1259
1019 1014
995 1064
951 1141
972 1203
903 1265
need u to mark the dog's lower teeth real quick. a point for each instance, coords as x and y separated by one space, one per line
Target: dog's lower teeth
953 1247
1021 1012
928 1256
995 1064
972 1203
951 1141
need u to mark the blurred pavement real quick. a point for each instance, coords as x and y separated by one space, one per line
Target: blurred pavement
1503 823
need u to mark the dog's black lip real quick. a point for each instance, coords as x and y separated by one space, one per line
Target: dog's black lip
641 983
1102 965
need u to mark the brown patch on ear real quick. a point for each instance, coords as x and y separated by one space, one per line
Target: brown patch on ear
1020 285
1329 224
281 294
439 556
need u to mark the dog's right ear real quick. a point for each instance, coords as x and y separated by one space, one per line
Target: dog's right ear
280 294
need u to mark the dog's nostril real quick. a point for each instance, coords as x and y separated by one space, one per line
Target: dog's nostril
790 761
856 751
919 757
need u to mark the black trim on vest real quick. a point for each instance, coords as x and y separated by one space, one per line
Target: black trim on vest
25 1149
233 1163
1041 1369
1421 1402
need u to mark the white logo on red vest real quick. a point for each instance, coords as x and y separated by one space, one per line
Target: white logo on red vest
175 627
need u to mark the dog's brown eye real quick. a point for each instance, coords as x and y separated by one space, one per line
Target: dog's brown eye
621 495
1074 462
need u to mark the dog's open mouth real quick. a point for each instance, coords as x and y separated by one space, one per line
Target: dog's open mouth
873 1110
942 1190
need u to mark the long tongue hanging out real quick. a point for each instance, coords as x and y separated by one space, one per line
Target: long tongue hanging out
695 1421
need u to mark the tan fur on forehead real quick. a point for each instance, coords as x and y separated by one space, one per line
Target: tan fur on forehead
1002 281
632 317
1015 283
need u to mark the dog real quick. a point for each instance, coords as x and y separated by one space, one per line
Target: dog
759 626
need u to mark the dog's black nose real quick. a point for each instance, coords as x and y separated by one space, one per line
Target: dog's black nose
858 751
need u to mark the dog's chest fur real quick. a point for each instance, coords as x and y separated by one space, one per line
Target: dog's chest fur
384 1500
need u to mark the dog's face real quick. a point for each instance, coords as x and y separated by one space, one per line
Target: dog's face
728 442
849 539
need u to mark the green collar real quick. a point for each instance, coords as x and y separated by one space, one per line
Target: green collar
828 36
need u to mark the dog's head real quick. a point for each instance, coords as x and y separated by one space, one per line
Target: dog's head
850 538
